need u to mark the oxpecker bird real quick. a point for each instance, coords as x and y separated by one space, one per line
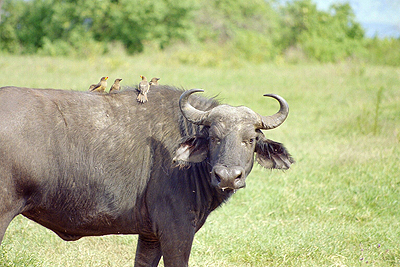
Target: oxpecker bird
115 87
154 81
143 89
100 87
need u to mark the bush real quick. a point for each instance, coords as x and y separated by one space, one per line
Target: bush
256 31
383 52
325 36
62 27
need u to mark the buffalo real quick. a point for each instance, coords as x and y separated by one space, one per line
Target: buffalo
84 164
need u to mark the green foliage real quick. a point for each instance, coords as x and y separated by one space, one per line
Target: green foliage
9 20
246 29
384 51
232 31
325 36
62 27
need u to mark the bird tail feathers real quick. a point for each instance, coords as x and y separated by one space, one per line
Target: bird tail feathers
142 98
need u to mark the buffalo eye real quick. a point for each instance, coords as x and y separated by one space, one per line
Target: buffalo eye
215 140
248 141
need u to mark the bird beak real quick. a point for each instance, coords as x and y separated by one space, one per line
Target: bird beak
106 77
141 77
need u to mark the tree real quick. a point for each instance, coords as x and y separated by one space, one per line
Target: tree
325 36
63 26
248 29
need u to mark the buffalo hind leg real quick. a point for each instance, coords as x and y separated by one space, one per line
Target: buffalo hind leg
10 204
5 220
148 252
7 214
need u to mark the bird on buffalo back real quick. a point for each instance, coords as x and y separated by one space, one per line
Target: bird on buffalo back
143 90
100 87
116 86
154 81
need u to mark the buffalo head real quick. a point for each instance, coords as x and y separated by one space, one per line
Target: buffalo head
232 137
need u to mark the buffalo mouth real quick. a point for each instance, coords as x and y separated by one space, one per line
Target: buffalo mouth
225 178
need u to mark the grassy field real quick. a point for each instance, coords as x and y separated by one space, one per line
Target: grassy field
338 206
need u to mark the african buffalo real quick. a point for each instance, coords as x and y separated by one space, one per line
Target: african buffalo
87 164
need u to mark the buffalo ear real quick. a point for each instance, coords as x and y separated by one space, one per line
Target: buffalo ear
192 149
272 155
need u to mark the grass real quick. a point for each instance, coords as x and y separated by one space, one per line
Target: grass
337 206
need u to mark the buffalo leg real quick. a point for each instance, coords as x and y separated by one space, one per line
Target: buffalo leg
148 252
5 220
10 204
176 249
8 210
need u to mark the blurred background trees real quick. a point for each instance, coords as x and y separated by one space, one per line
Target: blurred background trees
206 32
62 27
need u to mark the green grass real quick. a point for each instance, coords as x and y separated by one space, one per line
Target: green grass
338 206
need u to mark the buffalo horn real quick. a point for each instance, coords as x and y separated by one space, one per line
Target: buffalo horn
189 112
273 121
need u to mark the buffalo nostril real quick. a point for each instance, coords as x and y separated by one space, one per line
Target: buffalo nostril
221 173
238 174
224 177
217 177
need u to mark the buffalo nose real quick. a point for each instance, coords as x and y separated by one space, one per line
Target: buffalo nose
233 178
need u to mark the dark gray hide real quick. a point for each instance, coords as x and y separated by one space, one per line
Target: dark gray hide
85 164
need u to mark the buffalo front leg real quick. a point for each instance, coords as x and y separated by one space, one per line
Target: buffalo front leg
176 247
148 252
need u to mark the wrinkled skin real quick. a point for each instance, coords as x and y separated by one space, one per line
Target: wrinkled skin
85 164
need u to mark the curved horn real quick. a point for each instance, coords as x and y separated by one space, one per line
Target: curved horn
271 122
189 112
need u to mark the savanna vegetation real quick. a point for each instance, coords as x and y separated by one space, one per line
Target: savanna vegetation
205 32
337 206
